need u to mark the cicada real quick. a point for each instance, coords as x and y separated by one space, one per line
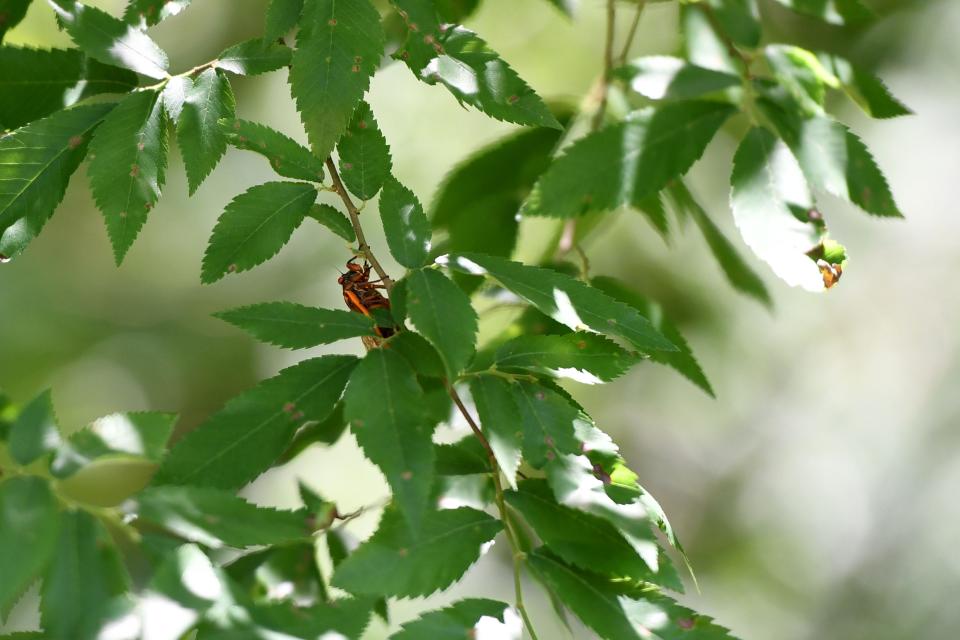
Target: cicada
362 295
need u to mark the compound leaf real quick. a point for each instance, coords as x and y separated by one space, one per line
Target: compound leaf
199 135
287 157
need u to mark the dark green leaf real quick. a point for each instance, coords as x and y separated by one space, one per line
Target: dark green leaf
399 562
703 46
669 78
548 423
110 40
866 89
501 422
364 155
682 358
464 457
334 220
202 141
582 356
565 299
36 163
12 12
36 82
287 157
128 162
385 408
255 226
295 326
473 72
216 518
833 11
123 436
738 273
244 438
627 162
253 57
326 431
738 19
286 572
282 17
421 355
442 313
405 224
835 160
582 539
29 524
338 49
652 208
34 433
801 74
470 618
85 573
344 618
146 13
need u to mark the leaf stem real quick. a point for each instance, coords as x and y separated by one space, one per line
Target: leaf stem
607 64
641 5
354 214
516 553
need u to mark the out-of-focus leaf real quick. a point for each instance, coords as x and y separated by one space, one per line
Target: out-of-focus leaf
128 163
702 45
669 78
625 163
29 526
801 74
13 12
864 88
255 226
398 561
739 20
501 422
253 57
287 157
146 13
841 12
202 141
282 17
36 163
110 40
137 436
442 313
295 326
582 356
283 572
364 155
405 224
564 299
34 433
385 408
338 49
242 440
470 618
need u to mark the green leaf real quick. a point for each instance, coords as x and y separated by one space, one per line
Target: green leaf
339 46
36 163
501 422
462 458
629 161
29 525
738 19
253 57
37 82
85 573
385 408
119 436
396 561
128 162
801 74
841 12
702 45
405 224
442 313
34 433
13 12
469 618
421 355
473 72
548 423
217 518
564 299
288 572
616 614
682 359
738 273
334 220
294 326
282 17
764 176
864 88
175 587
326 431
364 155
110 40
243 439
255 226
669 78
287 157
202 141
582 539
582 356
146 13
344 618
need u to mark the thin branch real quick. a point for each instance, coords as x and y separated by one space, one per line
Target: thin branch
641 5
607 64
354 214
517 554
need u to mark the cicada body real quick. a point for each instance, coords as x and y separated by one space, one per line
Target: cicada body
362 295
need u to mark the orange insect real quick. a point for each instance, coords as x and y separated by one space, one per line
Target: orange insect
361 295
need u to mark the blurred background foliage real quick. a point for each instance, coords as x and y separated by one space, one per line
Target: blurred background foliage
816 496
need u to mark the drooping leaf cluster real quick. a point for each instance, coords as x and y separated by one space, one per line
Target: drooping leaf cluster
536 473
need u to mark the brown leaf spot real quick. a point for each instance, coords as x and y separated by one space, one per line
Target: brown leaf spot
123 214
540 395
402 552
407 475
289 407
134 170
355 68
332 22
232 268
581 344
141 146
358 423
362 124
75 142
686 623
513 99
347 166
550 454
